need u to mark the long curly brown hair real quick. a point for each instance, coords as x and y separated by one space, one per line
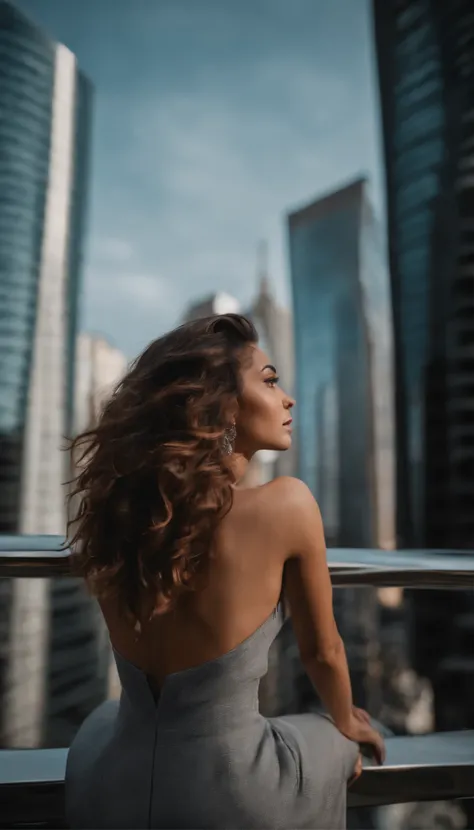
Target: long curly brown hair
153 482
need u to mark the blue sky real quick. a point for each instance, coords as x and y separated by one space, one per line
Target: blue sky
213 118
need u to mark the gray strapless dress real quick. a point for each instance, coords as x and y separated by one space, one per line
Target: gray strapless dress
202 756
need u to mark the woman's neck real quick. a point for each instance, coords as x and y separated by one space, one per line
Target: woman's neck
239 464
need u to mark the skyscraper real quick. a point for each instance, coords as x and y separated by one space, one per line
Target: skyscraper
328 467
341 306
425 51
343 384
99 368
45 105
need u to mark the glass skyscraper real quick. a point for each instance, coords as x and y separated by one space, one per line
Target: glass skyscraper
425 51
44 148
426 71
45 122
341 309
343 397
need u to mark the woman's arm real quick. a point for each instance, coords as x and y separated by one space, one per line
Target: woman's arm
308 592
309 595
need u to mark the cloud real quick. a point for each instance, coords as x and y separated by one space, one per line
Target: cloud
112 249
189 177
127 307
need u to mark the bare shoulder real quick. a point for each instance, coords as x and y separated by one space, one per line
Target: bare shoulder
293 507
287 492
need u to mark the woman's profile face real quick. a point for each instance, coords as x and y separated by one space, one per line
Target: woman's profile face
264 420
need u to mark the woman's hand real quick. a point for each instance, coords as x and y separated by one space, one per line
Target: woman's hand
361 715
362 732
358 769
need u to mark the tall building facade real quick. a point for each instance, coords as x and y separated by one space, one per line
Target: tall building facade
343 392
99 368
425 51
343 352
45 105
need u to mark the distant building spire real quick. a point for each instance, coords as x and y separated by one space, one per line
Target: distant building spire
262 267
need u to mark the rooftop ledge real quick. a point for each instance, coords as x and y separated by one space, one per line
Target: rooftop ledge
423 768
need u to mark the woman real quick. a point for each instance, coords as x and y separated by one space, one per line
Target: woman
188 569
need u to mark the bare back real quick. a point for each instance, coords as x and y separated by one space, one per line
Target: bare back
242 590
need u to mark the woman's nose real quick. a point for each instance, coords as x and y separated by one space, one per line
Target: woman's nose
290 402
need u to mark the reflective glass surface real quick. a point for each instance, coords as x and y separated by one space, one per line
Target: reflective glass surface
76 666
26 83
418 151
334 405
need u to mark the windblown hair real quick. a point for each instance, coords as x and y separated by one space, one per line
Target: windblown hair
153 482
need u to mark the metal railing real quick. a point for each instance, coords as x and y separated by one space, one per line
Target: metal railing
42 556
423 768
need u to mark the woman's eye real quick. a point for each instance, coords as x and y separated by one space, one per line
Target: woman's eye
272 381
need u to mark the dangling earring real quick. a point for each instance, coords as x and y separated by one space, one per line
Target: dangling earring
228 441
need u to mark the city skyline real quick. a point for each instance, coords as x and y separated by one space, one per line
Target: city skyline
191 166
